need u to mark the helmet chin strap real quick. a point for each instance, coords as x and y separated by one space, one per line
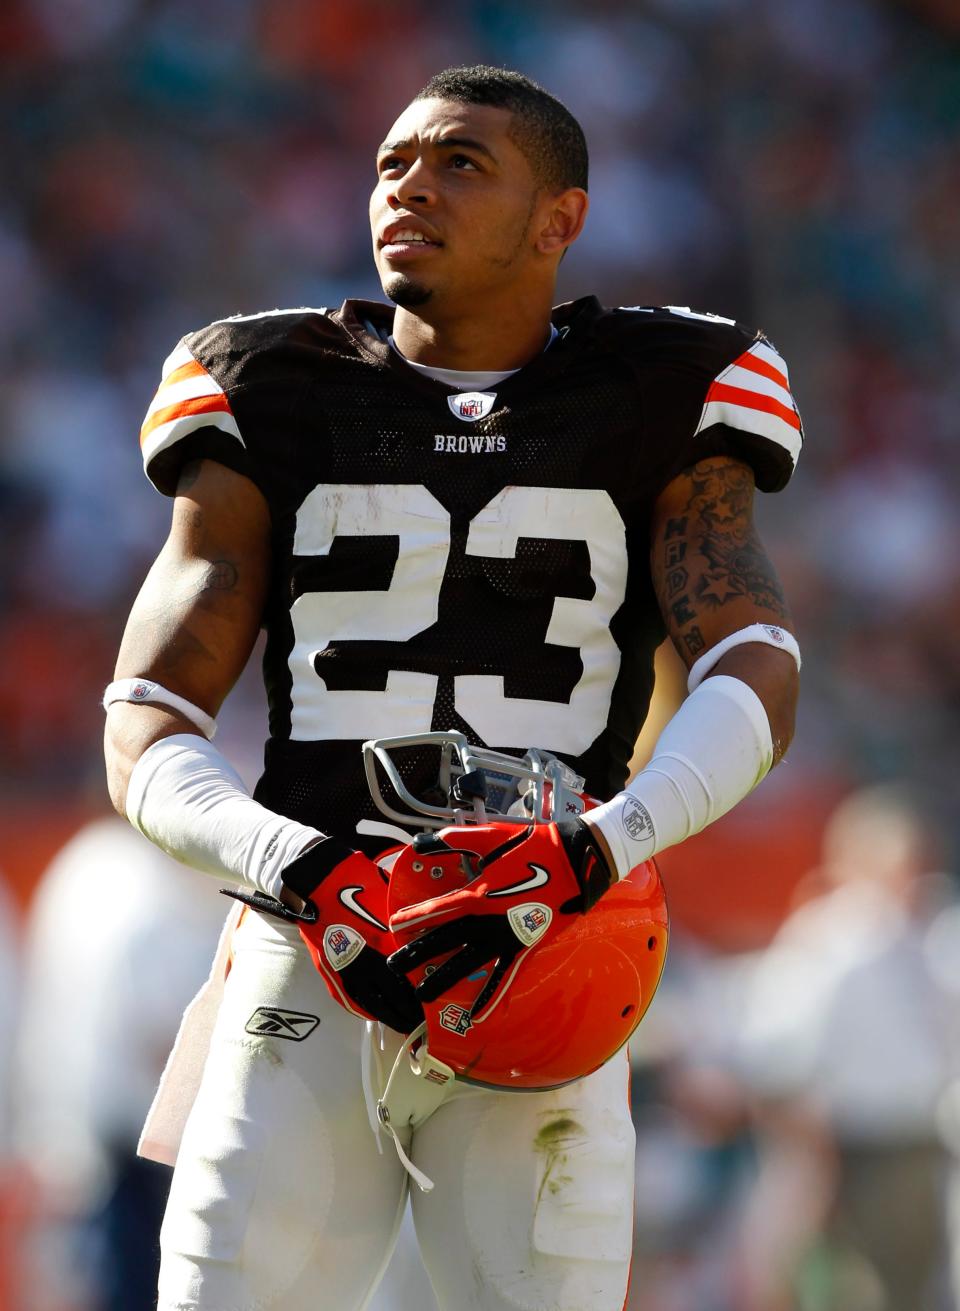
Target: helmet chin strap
418 1083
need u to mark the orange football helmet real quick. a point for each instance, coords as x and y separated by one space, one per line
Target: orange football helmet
582 986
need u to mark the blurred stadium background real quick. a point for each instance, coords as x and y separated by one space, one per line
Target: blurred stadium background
792 163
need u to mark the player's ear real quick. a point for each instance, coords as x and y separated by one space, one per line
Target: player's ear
563 216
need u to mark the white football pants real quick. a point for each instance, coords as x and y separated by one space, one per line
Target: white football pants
284 1198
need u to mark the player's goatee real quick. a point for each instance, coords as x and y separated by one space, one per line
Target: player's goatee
406 293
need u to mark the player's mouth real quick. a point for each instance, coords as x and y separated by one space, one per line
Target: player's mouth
404 240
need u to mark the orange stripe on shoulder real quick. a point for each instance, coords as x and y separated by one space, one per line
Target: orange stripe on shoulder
753 400
198 405
763 367
192 369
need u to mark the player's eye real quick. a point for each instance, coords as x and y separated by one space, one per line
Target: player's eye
389 163
461 161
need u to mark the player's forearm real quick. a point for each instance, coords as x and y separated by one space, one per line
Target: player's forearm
128 732
187 798
774 677
712 754
176 788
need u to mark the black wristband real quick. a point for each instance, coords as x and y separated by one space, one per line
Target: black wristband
305 874
587 860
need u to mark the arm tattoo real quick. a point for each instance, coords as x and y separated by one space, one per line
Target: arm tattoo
177 644
711 554
222 576
173 637
693 641
722 498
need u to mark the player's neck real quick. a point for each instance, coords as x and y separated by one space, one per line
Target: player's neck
506 339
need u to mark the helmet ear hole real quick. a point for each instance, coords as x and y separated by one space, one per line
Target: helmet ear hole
626 1011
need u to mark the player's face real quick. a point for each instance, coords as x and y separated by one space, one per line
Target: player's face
454 211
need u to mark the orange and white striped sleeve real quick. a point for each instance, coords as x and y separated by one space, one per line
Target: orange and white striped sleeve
753 394
189 397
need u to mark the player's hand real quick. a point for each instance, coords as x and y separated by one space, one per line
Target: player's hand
523 889
344 926
589 860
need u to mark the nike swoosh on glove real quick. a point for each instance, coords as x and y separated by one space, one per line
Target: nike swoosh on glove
524 885
344 926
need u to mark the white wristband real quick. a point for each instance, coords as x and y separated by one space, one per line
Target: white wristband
767 634
143 691
189 800
712 753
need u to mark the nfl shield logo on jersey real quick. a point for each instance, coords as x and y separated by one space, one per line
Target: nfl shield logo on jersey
472 405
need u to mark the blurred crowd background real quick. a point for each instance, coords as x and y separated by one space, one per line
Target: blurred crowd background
792 163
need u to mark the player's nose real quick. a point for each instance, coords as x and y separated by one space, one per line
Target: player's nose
416 187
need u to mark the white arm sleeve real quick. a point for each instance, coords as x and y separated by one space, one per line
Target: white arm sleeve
715 750
189 800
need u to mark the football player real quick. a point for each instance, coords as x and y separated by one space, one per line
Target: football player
463 511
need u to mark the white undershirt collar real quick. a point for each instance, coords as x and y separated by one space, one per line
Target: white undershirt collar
466 379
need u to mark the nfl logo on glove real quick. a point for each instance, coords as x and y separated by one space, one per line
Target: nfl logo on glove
339 942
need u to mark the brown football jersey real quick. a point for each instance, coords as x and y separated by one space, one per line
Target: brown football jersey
469 560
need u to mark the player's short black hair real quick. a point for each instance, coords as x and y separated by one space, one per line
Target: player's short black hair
543 128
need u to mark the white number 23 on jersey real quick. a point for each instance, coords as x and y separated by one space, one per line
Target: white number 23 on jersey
410 604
